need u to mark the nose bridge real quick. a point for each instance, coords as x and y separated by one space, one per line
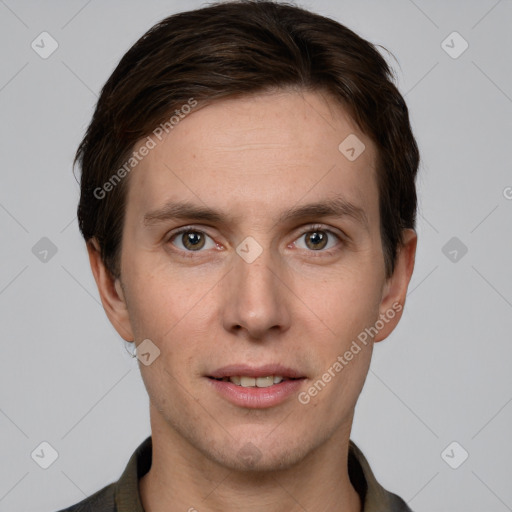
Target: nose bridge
254 299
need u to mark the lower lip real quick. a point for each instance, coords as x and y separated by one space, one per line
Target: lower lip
254 397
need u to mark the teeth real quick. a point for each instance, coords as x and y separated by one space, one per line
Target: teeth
251 382
264 382
248 382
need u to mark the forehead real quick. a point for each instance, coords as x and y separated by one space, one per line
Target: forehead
258 155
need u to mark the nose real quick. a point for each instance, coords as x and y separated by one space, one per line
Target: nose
255 298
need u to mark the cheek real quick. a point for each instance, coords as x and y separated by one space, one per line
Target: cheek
179 316
345 303
160 299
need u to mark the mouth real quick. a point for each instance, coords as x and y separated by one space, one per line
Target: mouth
254 382
256 387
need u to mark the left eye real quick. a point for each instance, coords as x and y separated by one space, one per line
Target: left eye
192 240
317 239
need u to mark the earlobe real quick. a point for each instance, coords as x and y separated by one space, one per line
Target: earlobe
395 289
111 292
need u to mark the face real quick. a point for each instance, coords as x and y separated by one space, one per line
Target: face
251 250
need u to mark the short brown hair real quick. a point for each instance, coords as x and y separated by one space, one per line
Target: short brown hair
233 49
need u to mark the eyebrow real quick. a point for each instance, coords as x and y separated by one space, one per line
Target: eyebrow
337 207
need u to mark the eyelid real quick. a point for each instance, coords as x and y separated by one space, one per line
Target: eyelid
182 229
323 227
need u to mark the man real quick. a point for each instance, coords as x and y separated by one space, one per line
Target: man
248 203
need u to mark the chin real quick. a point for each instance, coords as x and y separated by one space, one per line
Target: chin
258 454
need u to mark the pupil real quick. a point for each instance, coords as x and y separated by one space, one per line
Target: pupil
193 240
317 239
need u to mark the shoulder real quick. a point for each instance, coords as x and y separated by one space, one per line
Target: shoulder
101 501
374 497
124 493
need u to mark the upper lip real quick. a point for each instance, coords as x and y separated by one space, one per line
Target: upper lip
256 371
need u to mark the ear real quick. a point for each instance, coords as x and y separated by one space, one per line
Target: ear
111 292
395 288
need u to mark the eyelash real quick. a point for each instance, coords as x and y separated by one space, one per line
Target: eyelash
310 229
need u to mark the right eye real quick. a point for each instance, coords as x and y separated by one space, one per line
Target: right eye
191 240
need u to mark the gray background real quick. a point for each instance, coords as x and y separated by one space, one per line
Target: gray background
443 376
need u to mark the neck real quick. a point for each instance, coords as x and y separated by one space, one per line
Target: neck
183 479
